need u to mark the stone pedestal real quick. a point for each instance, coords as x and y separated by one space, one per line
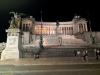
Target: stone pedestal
13 46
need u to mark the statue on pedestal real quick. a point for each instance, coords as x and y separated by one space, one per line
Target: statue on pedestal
13 48
12 23
57 25
16 18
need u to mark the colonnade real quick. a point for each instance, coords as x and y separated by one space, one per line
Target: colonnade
51 30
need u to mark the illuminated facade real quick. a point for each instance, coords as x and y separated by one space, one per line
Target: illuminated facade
48 28
67 29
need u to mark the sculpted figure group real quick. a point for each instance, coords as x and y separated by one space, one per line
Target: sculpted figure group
15 21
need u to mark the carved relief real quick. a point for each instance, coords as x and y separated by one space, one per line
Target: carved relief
12 41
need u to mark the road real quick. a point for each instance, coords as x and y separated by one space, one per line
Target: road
70 69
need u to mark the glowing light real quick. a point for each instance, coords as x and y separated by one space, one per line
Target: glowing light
35 27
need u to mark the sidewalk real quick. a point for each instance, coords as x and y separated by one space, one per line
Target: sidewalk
49 61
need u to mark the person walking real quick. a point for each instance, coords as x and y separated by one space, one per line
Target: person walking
83 54
97 54
75 53
86 55
78 53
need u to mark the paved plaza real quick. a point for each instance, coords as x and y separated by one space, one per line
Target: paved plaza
53 60
51 65
50 61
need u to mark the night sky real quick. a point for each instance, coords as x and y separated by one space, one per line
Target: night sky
52 10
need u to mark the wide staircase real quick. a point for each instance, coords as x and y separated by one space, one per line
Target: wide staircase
61 51
71 39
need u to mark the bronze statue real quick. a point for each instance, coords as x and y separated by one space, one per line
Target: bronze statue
57 23
17 18
12 23
15 14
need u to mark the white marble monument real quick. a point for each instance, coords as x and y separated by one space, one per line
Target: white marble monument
13 46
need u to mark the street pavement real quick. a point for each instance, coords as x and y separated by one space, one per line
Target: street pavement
49 61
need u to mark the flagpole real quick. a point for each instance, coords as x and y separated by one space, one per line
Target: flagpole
41 38
92 37
89 22
41 22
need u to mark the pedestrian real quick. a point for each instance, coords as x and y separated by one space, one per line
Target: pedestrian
86 55
97 54
34 57
83 54
75 53
78 53
37 56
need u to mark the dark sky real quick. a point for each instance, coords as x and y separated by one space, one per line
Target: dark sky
52 10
